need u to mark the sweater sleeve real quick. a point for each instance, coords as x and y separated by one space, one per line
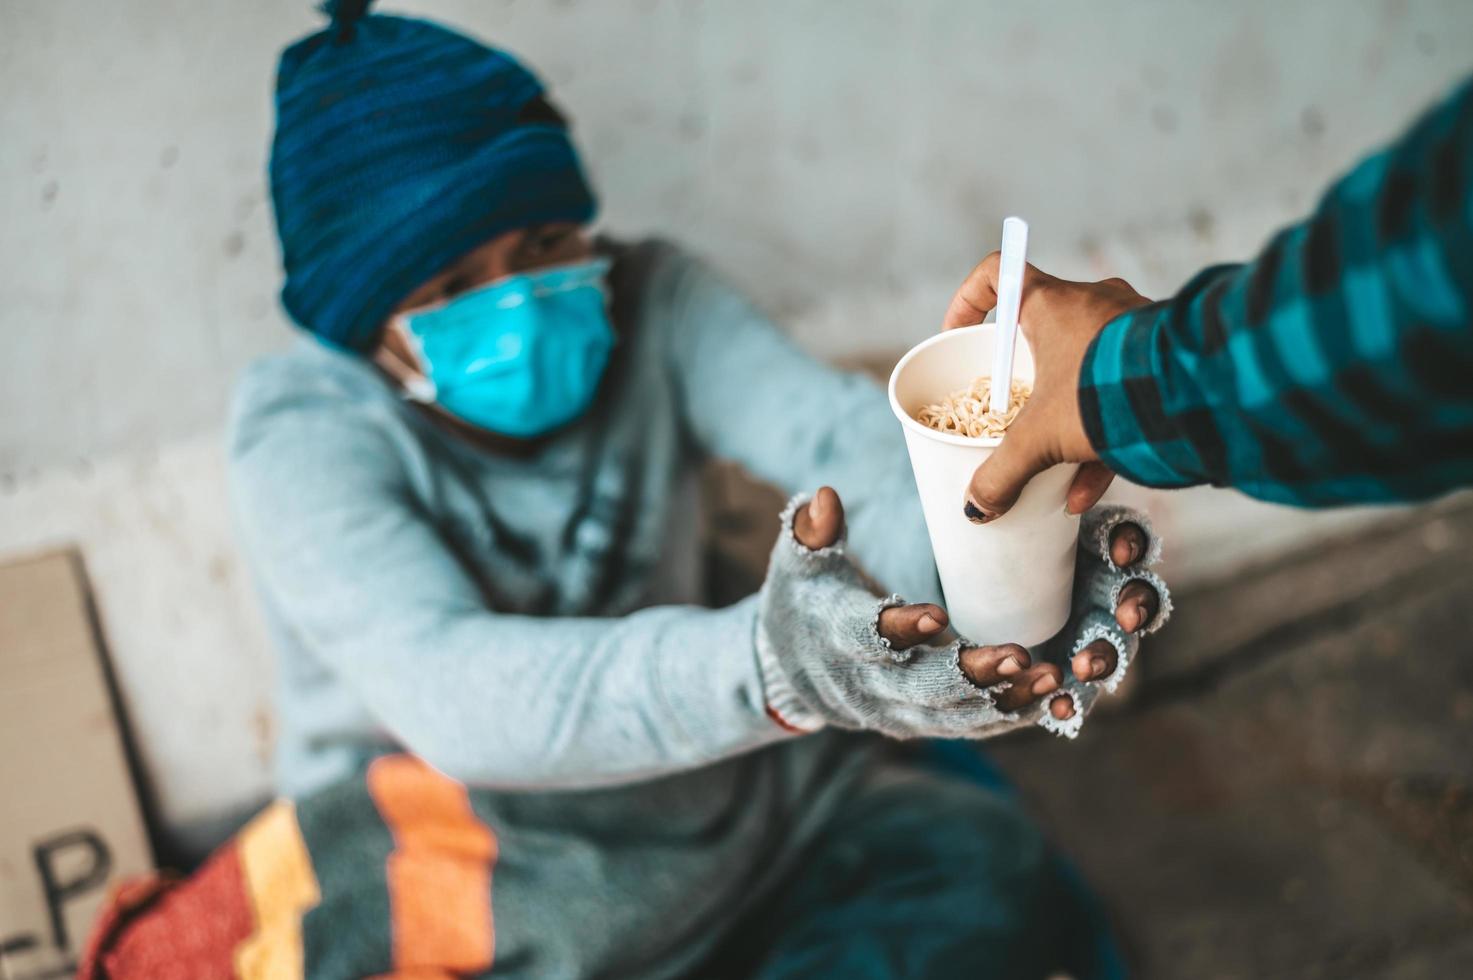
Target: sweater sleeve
364 579
749 395
1332 369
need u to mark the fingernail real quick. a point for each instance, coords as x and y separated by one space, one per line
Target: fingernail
1097 667
1135 550
1044 685
1009 667
975 514
928 623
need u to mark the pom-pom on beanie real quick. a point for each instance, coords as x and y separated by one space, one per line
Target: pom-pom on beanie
400 146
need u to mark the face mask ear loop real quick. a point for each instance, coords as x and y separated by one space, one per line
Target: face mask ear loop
414 386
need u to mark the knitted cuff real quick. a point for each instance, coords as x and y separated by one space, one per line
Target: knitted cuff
1099 523
1100 625
782 701
944 685
1103 592
986 696
873 638
805 558
1065 727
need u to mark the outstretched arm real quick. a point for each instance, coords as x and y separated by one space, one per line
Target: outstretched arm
1335 367
516 701
1332 369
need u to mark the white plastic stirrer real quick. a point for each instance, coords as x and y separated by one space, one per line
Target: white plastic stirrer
1009 298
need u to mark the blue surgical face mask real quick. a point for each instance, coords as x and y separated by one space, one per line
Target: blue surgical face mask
521 356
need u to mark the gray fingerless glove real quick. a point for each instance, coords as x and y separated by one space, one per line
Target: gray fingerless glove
824 662
1097 584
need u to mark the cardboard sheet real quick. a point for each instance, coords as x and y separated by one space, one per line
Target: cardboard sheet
69 819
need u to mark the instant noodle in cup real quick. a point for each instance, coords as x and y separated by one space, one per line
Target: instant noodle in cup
1009 580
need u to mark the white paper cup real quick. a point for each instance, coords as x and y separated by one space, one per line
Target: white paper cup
1009 580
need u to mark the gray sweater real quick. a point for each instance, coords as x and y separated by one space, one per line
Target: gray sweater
528 626
527 623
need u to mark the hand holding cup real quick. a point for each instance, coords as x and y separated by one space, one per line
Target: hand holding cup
834 654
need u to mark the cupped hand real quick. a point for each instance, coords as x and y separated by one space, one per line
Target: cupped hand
820 524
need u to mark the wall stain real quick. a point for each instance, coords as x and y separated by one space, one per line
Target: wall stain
1202 223
691 126
1312 122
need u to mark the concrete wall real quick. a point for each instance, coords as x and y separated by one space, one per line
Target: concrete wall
846 162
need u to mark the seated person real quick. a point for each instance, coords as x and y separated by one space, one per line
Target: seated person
511 741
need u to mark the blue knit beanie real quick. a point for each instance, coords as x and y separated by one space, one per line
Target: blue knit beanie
400 146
